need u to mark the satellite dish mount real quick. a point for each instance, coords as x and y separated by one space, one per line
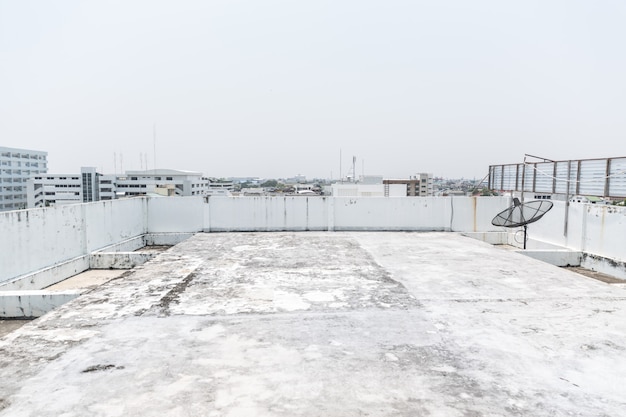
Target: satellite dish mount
521 214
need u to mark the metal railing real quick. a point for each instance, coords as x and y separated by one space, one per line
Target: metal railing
592 177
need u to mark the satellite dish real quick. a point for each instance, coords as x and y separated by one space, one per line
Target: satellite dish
522 214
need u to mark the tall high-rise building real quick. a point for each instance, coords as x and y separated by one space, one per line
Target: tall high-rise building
16 167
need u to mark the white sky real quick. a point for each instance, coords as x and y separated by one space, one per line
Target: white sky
277 88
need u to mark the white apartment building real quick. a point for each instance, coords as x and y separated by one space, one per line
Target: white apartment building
16 167
57 189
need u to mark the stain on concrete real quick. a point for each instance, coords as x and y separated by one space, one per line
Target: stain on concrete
98 368
173 295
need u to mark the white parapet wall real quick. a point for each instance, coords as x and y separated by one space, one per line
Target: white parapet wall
30 304
459 214
594 233
55 243
40 238
58 240
292 213
597 229
562 257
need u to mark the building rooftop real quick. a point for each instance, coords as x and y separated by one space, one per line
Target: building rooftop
163 171
326 324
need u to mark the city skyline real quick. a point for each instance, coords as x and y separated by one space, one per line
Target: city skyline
279 89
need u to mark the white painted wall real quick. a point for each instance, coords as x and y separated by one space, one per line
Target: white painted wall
393 213
298 213
175 214
456 214
368 190
352 213
36 239
596 229
109 222
474 214
605 231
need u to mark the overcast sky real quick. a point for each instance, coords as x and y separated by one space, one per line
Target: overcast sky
278 88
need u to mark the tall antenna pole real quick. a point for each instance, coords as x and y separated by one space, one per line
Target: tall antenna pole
340 174
114 163
354 169
154 138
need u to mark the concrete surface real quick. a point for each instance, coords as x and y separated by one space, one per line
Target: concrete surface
326 324
7 326
87 280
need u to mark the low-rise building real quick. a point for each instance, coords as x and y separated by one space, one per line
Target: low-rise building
219 187
57 189
89 185
134 183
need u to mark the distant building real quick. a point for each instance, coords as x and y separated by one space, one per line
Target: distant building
455 193
371 179
298 179
249 180
16 167
153 181
252 191
307 189
368 190
220 187
420 185
57 189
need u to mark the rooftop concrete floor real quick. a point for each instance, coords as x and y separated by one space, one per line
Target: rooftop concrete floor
326 324
7 326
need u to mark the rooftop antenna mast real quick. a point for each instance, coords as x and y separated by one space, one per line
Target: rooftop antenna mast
340 173
154 140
